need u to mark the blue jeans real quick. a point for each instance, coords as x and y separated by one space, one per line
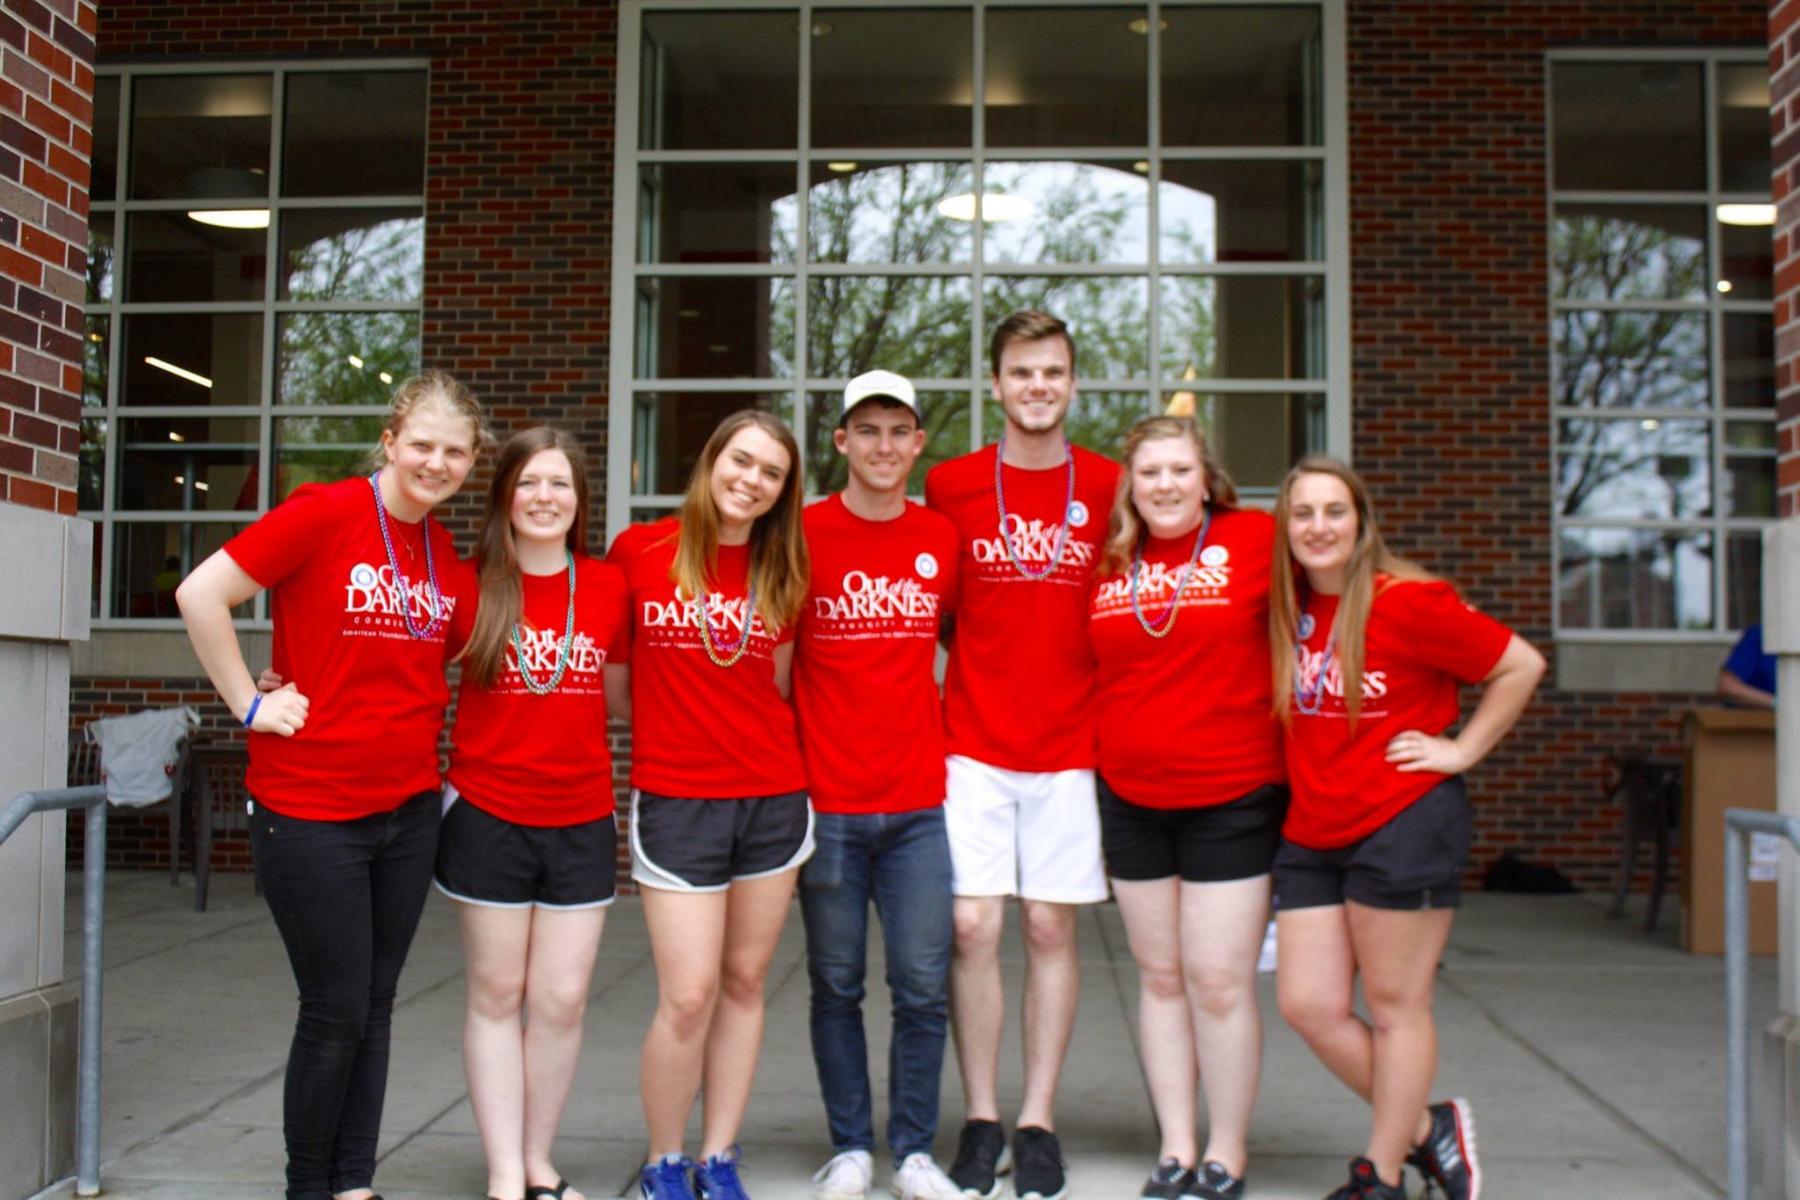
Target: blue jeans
346 897
901 862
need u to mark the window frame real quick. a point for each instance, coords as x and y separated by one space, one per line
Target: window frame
271 308
1719 525
1333 269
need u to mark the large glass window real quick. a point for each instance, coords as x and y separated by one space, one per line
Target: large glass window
799 204
214 385
1662 340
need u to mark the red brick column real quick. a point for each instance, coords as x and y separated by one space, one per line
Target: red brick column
46 136
1784 134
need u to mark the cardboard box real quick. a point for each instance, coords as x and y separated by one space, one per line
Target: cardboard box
1729 763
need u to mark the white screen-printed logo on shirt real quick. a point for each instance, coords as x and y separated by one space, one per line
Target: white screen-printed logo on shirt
1078 515
1215 556
926 565
374 596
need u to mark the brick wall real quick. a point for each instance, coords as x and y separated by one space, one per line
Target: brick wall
1784 129
1450 328
46 135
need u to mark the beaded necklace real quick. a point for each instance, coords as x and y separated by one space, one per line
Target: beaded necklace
564 652
430 628
1062 532
1174 607
727 656
1310 700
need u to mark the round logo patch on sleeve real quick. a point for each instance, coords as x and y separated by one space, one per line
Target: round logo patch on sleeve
1214 556
1078 515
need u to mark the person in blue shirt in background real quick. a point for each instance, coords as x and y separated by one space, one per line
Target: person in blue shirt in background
1748 676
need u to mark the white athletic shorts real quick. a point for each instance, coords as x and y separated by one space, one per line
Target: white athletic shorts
1033 834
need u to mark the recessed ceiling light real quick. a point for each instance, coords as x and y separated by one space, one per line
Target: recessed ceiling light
1141 25
231 218
1724 285
1746 214
356 362
1141 166
995 206
841 166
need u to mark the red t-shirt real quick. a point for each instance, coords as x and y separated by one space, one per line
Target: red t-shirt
378 694
543 760
1185 719
1422 641
698 730
871 729
1020 689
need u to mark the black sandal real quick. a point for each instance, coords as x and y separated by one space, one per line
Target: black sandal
547 1193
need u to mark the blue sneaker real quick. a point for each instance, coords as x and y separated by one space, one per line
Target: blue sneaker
717 1178
666 1178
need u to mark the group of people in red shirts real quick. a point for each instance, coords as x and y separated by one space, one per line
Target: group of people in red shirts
1145 697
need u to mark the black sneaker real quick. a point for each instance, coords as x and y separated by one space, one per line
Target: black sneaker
1446 1158
1365 1184
1039 1160
980 1157
1214 1182
1168 1181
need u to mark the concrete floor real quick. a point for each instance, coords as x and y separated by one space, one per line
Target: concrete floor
1592 1051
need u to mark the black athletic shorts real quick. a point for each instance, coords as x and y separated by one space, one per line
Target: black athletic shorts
485 860
1415 861
1234 840
702 845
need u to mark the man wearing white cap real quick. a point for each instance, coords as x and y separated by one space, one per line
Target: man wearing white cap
883 577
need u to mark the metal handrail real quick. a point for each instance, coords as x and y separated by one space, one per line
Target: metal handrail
1739 824
93 911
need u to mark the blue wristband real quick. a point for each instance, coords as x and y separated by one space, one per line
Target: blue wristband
254 705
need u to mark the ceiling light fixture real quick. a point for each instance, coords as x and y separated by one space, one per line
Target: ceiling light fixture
1724 285
179 372
1746 214
356 362
841 166
231 218
995 206
1141 25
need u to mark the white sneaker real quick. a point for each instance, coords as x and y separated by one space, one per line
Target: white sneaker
920 1178
846 1177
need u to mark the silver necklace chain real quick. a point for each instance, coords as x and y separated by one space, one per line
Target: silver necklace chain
1174 608
1062 532
564 652
430 628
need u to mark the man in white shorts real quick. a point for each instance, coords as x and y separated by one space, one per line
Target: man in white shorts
1019 710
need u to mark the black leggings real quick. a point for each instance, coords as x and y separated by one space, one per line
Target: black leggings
346 896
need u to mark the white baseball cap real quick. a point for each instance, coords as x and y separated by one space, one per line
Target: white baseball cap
881 383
